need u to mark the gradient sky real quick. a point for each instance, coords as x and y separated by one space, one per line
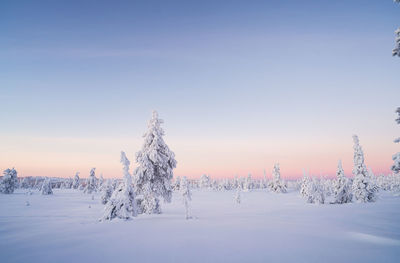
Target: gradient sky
239 84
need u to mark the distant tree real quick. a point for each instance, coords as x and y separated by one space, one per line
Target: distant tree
186 196
122 203
238 198
205 181
106 192
341 187
248 183
363 187
277 184
154 172
177 183
25 183
75 183
91 182
46 187
9 182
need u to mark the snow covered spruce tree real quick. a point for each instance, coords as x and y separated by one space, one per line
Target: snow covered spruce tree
363 187
238 198
154 172
75 183
9 182
186 196
396 157
396 50
91 182
341 187
122 203
277 184
46 187
106 192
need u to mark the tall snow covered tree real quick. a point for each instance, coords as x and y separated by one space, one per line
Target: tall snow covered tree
46 187
9 182
277 184
186 196
396 157
91 182
154 172
122 203
363 187
75 183
341 187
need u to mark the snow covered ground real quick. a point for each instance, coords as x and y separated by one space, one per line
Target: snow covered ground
265 227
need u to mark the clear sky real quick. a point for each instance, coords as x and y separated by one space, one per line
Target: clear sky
239 84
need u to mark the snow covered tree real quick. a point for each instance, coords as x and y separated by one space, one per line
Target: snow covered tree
396 157
154 172
177 183
100 181
91 182
9 181
25 183
122 203
363 187
186 196
277 184
248 183
106 192
341 187
205 181
46 187
304 184
75 183
238 198
396 50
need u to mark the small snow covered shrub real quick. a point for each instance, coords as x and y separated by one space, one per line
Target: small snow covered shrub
341 187
277 184
9 182
91 183
46 187
122 203
186 196
364 189
153 175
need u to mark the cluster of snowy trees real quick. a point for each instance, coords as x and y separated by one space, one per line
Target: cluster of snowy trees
151 180
362 188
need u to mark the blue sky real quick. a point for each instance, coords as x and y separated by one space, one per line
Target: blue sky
222 74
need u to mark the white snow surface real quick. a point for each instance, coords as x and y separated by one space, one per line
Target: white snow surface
264 227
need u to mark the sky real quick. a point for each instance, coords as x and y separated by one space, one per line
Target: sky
241 85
